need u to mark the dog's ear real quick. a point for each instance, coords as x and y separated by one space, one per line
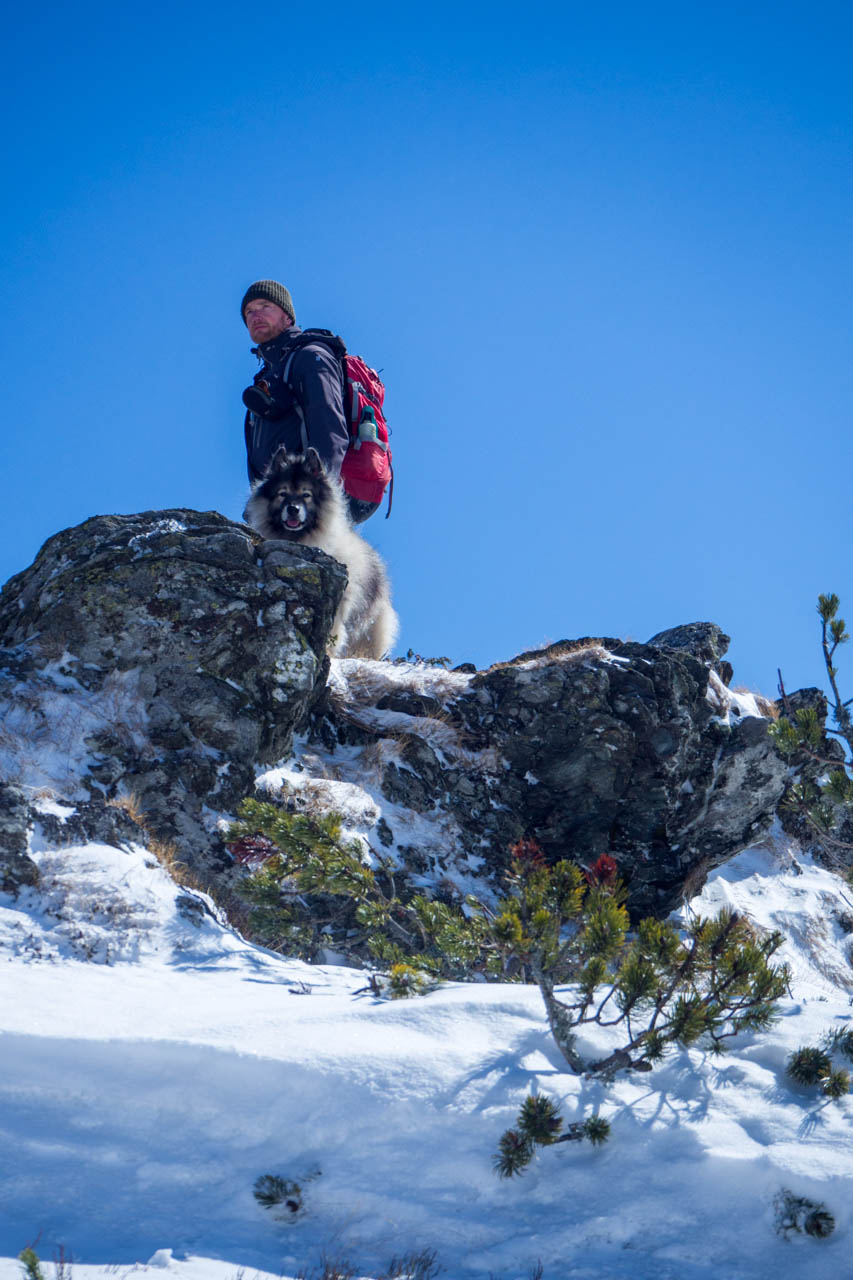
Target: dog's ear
313 465
277 462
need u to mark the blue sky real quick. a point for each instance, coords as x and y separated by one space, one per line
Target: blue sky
601 253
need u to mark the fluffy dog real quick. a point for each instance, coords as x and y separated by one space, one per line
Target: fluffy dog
297 502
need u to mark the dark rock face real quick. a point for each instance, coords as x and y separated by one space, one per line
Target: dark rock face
600 746
167 655
704 640
16 866
170 651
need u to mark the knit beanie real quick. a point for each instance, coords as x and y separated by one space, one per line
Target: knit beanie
273 292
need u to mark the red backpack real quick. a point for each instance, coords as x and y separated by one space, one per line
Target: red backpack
366 470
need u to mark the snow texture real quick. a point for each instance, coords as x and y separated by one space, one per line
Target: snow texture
155 1065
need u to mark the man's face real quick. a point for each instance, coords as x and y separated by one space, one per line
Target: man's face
265 320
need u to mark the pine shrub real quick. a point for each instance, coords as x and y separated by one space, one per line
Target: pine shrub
840 1040
407 980
31 1264
837 1084
809 1065
539 1119
596 1130
813 1065
271 1190
665 987
539 1124
315 889
797 1215
558 926
799 737
515 1151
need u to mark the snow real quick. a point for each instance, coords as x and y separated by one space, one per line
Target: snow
155 1064
48 719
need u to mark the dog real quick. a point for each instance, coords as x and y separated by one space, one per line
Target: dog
295 501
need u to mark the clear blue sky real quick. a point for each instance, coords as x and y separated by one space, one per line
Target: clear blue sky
601 252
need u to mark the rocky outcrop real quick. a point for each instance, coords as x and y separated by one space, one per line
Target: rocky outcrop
17 868
594 746
168 655
163 654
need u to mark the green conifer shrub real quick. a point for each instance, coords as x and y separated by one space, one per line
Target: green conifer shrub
539 1124
840 1041
798 736
31 1264
809 1065
557 926
812 1064
271 1190
313 889
837 1084
797 1215
665 987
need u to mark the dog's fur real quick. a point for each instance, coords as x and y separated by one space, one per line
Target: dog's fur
295 501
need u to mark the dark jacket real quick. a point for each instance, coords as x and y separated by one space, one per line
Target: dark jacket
316 377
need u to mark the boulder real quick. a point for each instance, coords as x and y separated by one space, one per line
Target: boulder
594 746
166 654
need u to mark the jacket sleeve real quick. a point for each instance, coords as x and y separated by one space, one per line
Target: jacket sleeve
318 382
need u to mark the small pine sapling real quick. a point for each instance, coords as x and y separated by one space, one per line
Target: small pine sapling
813 1065
539 1124
406 980
271 1190
797 1215
569 928
31 1264
840 1041
837 1084
809 1065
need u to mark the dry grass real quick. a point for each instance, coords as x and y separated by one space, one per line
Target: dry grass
369 681
564 651
165 851
767 706
128 802
694 881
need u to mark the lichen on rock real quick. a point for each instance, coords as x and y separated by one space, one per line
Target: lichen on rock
182 648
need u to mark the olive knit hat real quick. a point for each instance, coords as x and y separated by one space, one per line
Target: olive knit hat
273 292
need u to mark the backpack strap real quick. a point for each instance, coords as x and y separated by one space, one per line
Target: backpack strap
307 338
303 430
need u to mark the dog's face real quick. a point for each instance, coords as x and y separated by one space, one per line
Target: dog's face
292 494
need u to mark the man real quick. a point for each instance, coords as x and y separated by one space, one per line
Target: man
307 409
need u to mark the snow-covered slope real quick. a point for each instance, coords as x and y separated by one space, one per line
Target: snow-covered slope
155 1065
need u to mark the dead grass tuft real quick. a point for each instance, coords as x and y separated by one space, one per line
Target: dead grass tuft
563 651
767 706
129 804
165 851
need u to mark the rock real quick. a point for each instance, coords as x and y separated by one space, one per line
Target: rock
17 868
167 655
182 649
90 821
705 640
597 746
